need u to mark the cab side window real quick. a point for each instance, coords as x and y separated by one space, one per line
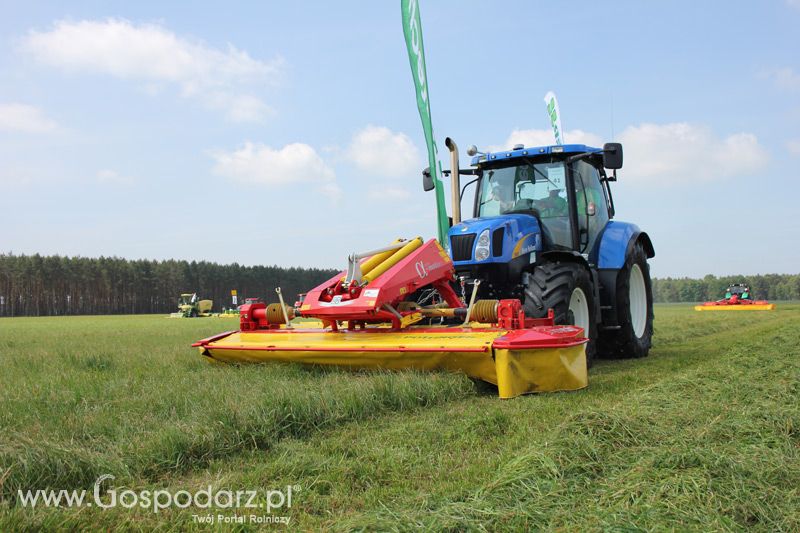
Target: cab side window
592 206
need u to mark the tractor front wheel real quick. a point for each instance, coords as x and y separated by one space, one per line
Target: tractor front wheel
634 310
567 289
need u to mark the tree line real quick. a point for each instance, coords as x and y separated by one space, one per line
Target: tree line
35 285
763 287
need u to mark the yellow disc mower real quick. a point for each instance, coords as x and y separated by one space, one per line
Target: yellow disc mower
737 298
370 316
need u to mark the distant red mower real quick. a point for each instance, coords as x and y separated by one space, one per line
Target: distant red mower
737 298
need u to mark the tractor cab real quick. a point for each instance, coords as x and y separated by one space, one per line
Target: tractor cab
740 290
562 187
530 201
186 299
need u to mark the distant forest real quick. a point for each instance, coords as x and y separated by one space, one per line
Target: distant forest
32 285
42 286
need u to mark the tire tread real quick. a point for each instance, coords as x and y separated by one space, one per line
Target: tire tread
550 287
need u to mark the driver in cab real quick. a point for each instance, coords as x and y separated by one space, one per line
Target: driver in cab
553 205
501 200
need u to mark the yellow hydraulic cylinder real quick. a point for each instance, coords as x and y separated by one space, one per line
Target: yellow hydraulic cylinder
377 259
395 258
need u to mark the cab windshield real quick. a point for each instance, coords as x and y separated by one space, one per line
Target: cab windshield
537 189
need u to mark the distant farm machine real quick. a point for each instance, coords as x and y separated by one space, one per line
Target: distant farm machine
229 312
189 306
233 310
738 297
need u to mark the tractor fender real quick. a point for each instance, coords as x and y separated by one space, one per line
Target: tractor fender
617 240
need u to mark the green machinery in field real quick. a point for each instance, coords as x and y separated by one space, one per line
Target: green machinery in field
190 307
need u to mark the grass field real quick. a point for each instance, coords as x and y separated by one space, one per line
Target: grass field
702 435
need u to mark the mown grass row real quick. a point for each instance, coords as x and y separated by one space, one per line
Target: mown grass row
702 435
715 447
149 407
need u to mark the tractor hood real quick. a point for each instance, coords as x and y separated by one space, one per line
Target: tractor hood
509 236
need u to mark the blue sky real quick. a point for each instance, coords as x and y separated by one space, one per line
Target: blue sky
287 132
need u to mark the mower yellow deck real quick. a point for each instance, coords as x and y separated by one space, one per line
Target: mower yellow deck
467 350
752 307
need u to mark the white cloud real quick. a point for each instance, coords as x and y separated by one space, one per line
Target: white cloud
108 176
785 78
793 145
240 108
544 137
793 3
295 163
682 152
151 54
331 190
25 118
380 151
666 153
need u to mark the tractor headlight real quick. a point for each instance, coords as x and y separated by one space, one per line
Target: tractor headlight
482 250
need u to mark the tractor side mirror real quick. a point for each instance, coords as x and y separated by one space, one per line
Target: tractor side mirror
427 180
612 156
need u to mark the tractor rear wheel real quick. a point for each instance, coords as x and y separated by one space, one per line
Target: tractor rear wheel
566 288
634 310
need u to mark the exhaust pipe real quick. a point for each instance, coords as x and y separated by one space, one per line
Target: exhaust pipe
455 181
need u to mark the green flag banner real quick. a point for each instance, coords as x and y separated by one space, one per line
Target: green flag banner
554 113
412 29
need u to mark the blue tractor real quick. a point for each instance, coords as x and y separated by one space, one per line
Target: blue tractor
543 232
